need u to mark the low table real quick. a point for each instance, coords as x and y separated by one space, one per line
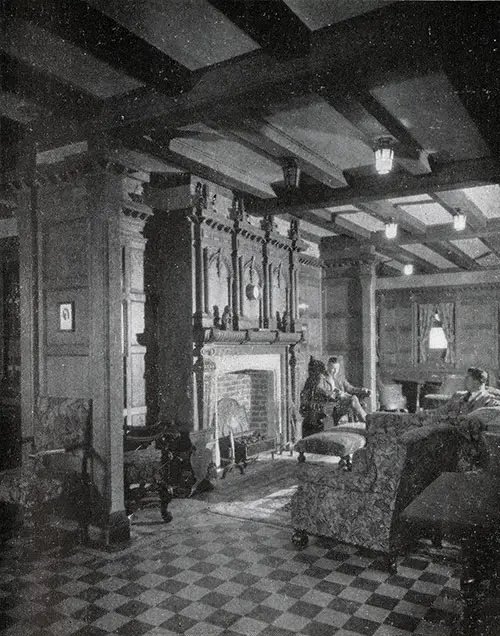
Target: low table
464 507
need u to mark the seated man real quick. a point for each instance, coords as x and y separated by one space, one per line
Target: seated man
476 395
325 390
458 412
344 395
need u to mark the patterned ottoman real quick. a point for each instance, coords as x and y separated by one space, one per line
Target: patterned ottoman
341 442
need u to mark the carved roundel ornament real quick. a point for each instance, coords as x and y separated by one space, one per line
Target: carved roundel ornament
253 291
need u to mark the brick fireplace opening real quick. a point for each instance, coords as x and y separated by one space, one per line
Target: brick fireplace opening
253 391
248 399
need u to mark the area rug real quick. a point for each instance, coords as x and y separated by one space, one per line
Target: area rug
274 508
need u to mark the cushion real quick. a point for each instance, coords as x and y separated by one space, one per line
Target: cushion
338 443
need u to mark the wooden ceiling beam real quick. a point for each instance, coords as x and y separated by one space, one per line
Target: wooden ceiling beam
447 176
492 243
400 254
100 36
163 153
44 91
268 140
352 98
247 79
453 254
469 35
273 25
413 228
457 199
385 212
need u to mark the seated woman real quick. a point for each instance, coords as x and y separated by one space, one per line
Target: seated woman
324 391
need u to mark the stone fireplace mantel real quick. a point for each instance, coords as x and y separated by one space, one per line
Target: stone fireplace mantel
230 352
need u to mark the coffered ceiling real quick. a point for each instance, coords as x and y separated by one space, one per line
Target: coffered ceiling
227 89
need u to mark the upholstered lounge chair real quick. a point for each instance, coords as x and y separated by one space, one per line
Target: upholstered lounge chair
402 456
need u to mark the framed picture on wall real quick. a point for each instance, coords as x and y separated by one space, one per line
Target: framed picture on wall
67 316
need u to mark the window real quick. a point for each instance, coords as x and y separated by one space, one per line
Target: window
437 336
436 333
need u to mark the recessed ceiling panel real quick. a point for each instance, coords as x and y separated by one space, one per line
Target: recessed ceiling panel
191 31
473 247
424 252
489 260
33 45
323 130
486 198
365 221
320 13
433 113
428 213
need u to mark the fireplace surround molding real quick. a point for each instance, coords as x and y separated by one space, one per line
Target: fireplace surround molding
229 352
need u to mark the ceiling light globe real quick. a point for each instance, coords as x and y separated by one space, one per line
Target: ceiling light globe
391 230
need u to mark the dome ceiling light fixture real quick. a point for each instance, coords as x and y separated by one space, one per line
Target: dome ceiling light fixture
384 154
459 220
408 269
391 229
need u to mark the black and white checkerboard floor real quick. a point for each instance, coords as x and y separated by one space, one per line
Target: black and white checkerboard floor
207 575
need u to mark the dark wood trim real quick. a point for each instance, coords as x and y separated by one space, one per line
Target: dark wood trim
447 176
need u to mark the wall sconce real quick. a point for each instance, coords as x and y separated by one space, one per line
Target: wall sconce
291 173
391 229
408 269
384 155
459 220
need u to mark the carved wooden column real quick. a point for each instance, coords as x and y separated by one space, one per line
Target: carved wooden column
369 326
134 216
294 292
267 226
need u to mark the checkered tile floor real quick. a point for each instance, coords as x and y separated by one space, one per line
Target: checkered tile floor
205 575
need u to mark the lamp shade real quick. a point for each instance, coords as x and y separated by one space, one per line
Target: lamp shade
291 173
384 155
391 229
459 220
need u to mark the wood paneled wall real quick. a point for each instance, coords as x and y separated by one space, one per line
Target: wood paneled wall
476 330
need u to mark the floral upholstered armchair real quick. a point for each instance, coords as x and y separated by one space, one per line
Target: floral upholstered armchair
403 454
55 472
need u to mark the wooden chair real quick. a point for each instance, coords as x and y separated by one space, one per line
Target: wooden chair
156 463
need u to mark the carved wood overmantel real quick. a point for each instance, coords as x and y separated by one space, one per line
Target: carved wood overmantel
225 288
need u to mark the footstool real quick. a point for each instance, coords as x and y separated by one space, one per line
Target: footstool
340 442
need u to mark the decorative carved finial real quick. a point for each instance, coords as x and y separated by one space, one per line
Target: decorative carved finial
284 321
227 319
238 211
267 224
216 314
293 232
